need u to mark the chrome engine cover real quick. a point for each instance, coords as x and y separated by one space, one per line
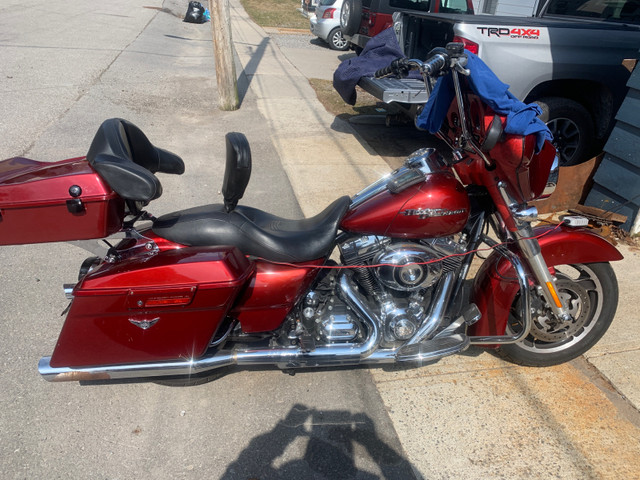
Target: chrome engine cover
398 277
329 319
407 267
338 324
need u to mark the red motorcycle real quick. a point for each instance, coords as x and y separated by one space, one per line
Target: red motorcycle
219 285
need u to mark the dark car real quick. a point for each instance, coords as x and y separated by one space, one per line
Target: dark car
362 19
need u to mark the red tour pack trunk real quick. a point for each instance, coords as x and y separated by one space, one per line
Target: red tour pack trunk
55 202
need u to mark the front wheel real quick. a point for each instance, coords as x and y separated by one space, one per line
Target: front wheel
590 291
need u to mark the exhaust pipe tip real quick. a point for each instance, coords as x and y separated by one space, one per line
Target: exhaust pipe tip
136 370
51 374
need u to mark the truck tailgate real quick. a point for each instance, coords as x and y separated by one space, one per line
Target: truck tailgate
402 90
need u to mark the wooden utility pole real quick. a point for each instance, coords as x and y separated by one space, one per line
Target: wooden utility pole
223 53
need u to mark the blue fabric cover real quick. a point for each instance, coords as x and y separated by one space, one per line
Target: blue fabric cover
378 53
521 118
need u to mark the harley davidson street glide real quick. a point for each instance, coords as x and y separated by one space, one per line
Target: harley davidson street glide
218 285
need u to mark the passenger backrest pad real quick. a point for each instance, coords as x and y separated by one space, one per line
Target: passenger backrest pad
125 158
237 170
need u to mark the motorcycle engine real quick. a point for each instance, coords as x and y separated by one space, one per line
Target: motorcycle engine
397 277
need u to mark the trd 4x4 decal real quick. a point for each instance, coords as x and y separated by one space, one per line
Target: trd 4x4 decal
521 32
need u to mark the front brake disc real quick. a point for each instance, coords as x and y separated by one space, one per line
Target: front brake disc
547 328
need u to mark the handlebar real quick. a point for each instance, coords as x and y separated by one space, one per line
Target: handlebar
439 60
399 67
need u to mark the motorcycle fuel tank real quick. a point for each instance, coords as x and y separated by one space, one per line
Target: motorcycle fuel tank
422 199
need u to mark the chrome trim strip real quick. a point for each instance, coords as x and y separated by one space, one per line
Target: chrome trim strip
427 160
371 191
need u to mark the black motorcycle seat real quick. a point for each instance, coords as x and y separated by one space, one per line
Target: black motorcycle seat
255 232
125 158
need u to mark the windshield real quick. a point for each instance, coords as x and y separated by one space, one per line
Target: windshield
445 6
615 10
455 6
326 3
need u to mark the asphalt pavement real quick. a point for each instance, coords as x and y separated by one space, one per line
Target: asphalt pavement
68 65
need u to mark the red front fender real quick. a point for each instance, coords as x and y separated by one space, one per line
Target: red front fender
496 286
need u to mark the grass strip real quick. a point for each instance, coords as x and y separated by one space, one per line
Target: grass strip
276 13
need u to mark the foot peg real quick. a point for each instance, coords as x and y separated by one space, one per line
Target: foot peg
469 316
434 349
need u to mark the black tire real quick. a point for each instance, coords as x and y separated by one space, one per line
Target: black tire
592 291
571 126
337 41
350 16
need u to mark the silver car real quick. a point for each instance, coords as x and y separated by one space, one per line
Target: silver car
326 24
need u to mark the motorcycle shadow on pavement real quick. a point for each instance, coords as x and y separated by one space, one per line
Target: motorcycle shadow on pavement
336 442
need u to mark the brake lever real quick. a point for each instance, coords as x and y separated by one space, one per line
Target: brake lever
461 70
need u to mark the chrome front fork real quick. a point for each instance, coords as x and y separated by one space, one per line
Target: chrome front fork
530 249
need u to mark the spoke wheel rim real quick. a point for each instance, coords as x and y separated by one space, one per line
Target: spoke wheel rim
338 40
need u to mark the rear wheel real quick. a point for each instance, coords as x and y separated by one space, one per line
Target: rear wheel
590 291
337 41
350 16
571 126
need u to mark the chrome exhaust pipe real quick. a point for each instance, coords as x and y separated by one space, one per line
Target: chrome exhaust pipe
326 356
438 309
136 370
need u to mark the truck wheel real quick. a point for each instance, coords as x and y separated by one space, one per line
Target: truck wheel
337 40
350 16
571 126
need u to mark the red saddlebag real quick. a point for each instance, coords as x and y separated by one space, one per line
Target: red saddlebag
166 306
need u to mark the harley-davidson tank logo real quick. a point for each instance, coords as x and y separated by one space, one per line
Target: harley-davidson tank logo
432 212
144 324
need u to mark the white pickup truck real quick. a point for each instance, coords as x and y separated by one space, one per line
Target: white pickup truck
568 58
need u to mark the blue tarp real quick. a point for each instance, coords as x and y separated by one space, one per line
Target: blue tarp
521 118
